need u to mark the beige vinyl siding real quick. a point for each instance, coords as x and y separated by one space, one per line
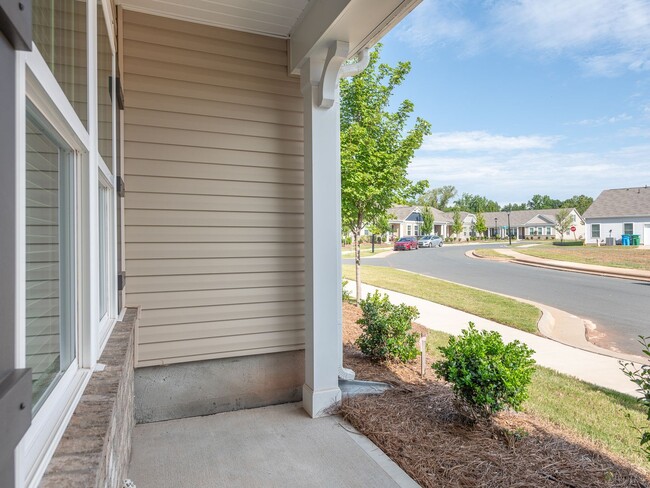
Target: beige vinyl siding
214 211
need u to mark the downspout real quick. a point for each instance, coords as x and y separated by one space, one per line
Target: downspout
354 69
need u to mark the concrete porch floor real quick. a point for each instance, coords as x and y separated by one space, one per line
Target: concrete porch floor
277 446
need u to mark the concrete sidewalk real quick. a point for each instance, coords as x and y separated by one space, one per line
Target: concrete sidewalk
585 365
278 446
630 274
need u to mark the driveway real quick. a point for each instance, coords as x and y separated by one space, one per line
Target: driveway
619 308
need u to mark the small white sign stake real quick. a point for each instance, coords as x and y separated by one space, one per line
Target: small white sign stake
423 355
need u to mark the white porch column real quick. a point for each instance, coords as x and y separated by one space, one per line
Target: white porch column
322 243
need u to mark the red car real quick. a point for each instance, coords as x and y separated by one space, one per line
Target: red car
406 243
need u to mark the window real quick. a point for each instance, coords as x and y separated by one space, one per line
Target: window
104 89
408 230
59 31
549 231
61 275
595 231
628 228
539 231
103 219
49 238
417 230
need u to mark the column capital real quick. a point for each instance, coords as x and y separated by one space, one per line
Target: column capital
324 74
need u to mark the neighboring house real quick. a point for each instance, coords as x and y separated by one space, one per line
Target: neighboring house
406 220
142 143
532 224
469 222
619 211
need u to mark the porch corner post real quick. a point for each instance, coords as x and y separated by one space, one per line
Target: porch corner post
322 249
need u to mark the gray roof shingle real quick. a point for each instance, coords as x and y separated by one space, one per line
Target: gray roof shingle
621 202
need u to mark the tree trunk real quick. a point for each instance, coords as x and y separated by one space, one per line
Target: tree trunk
357 264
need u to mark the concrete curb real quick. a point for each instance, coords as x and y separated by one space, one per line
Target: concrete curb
629 274
557 325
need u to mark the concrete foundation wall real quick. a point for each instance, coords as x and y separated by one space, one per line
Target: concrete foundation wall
219 385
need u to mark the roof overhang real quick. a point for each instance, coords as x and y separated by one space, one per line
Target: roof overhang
311 26
360 23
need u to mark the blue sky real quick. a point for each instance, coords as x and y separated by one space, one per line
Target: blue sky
529 96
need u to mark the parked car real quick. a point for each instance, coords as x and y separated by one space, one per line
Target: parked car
430 241
406 243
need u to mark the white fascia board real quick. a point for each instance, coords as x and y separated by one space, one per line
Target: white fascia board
360 23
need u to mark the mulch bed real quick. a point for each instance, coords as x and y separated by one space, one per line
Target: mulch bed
418 425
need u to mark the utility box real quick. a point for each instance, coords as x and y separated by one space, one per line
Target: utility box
610 241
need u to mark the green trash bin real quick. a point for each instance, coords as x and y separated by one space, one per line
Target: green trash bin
636 240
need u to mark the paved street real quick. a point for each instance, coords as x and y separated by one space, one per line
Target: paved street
619 308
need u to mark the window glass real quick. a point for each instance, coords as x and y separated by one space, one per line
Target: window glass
104 87
50 329
59 32
595 230
628 229
103 249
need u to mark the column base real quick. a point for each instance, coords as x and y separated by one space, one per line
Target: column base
317 403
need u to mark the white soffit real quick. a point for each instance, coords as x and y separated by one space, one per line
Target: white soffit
360 23
268 17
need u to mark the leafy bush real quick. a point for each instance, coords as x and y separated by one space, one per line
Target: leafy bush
569 243
346 296
386 329
641 377
486 374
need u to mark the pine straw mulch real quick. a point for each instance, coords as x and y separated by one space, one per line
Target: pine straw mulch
417 425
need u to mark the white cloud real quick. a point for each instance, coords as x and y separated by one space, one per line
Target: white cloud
483 141
515 177
559 24
606 37
613 119
439 23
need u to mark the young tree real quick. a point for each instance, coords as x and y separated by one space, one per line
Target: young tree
563 221
457 225
427 222
480 225
380 226
376 148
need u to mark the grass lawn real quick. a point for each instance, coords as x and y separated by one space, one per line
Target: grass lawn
484 304
366 250
489 253
595 413
616 256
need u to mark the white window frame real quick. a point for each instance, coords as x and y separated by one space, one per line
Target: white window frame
628 223
592 231
35 80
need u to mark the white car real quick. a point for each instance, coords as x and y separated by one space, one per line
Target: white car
430 241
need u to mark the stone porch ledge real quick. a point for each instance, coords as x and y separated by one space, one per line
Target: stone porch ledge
96 447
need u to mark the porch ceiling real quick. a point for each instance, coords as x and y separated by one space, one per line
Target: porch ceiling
267 17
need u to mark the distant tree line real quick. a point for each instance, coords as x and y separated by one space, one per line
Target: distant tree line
444 198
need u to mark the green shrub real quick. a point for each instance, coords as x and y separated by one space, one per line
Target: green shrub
569 243
487 375
641 377
386 329
346 296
